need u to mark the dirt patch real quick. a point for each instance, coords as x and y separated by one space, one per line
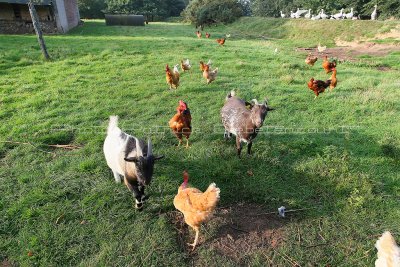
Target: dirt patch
245 228
383 68
234 232
348 51
6 263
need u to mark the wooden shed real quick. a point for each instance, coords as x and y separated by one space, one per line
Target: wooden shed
55 16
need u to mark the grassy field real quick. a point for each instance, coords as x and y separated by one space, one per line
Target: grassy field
336 156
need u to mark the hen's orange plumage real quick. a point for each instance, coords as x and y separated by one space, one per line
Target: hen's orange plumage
333 80
328 66
172 77
198 33
210 75
180 123
185 65
318 86
310 60
208 35
221 41
197 207
203 65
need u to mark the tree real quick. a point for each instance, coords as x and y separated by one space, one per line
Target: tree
206 12
152 9
91 9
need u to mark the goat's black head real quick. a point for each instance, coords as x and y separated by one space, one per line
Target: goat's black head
258 112
144 163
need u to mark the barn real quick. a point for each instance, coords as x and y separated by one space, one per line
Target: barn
55 16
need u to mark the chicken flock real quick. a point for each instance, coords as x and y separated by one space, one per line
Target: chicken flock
196 206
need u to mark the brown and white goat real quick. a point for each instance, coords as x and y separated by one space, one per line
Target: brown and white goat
131 158
244 123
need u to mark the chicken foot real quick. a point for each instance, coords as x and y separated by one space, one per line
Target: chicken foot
196 239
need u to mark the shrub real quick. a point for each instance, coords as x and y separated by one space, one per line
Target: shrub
206 12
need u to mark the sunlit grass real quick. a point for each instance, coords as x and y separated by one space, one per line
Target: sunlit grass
337 155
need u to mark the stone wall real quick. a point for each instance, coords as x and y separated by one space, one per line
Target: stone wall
21 27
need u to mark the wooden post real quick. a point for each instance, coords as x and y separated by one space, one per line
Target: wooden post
38 29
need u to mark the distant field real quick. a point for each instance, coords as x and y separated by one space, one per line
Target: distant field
336 157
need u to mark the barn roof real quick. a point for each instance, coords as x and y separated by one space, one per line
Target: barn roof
36 2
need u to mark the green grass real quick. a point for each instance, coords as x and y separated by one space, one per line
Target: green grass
304 159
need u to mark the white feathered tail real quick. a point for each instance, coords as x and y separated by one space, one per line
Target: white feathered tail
388 251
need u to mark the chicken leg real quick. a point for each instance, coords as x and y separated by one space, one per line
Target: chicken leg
196 239
187 143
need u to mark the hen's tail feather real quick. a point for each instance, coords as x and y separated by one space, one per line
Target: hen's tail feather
112 124
212 195
388 251
231 94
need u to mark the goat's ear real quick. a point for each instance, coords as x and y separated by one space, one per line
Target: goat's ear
158 157
269 109
131 159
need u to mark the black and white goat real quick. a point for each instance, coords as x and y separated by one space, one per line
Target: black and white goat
244 123
130 160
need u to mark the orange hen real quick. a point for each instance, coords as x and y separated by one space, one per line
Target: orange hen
180 123
221 41
198 33
318 86
310 60
197 207
208 35
172 77
328 66
333 80
203 66
210 75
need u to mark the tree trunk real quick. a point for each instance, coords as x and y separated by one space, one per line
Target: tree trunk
38 29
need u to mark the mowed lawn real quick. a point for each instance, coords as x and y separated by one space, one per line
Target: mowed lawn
336 157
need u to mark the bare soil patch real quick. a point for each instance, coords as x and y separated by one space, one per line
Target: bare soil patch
234 232
6 263
348 51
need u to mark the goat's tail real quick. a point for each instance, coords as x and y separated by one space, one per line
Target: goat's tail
112 124
232 93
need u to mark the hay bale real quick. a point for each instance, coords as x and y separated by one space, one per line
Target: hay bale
126 20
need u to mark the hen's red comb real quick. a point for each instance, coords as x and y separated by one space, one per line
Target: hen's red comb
185 176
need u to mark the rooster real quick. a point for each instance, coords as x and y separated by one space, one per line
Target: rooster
197 207
198 33
202 65
388 251
310 60
221 41
209 75
185 65
328 66
172 77
318 86
333 80
208 35
180 123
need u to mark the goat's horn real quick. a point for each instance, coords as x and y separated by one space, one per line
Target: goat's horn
138 148
254 101
149 148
